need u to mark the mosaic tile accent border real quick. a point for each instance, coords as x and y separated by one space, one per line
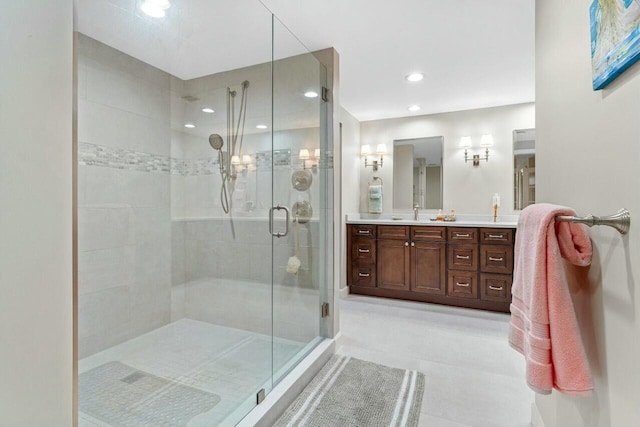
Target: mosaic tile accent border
120 158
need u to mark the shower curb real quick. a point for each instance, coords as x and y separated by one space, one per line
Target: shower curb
276 402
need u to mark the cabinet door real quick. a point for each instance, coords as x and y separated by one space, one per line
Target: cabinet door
393 264
428 268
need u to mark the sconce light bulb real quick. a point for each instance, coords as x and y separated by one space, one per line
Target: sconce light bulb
381 149
486 140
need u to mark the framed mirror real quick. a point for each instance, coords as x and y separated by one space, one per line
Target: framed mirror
524 167
417 173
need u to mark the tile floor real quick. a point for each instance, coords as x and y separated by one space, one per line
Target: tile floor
230 363
473 377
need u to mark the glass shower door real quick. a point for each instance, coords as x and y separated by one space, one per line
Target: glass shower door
300 177
174 310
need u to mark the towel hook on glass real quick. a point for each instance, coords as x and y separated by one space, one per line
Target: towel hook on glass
621 220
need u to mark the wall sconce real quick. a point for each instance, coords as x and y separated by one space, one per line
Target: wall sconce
240 166
381 150
304 156
486 141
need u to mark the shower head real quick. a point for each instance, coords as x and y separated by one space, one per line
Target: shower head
216 141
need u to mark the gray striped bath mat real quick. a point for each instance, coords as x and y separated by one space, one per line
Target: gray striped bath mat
349 392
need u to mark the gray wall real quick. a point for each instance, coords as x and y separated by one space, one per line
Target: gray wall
350 190
587 153
36 218
124 197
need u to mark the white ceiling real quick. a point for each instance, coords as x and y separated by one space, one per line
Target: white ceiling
473 53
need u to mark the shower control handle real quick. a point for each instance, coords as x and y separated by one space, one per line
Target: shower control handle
286 230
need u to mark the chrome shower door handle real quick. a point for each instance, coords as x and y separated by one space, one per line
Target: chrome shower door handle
286 230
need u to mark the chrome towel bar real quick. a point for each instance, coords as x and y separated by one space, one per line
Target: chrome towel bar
621 221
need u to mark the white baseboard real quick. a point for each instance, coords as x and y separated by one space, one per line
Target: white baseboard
536 418
338 339
344 292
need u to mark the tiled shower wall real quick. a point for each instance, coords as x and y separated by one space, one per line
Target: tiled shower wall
154 244
124 206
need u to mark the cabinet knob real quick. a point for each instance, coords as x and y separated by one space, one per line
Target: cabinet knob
413 243
406 243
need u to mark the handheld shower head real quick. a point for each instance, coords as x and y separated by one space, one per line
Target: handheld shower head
216 141
245 84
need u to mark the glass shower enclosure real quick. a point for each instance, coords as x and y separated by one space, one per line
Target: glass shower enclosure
204 182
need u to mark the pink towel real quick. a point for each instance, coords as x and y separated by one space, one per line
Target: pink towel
544 327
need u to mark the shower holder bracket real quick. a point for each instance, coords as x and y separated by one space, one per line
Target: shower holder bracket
301 212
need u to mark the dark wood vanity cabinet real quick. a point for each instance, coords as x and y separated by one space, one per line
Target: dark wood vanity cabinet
469 267
411 259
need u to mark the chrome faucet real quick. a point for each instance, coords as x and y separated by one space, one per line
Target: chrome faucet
415 211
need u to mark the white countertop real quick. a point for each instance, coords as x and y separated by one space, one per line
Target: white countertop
462 220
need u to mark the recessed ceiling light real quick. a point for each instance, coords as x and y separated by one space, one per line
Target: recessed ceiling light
414 108
311 94
155 8
414 77
261 126
189 125
208 110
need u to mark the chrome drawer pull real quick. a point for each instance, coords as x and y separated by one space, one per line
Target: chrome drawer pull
363 251
462 235
495 259
496 236
464 285
364 231
363 274
495 288
462 257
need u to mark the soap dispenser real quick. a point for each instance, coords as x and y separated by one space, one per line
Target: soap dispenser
439 217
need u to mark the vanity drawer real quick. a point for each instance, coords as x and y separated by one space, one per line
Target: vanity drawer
496 235
366 231
400 232
463 257
426 233
495 287
463 235
363 275
462 284
363 250
496 259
